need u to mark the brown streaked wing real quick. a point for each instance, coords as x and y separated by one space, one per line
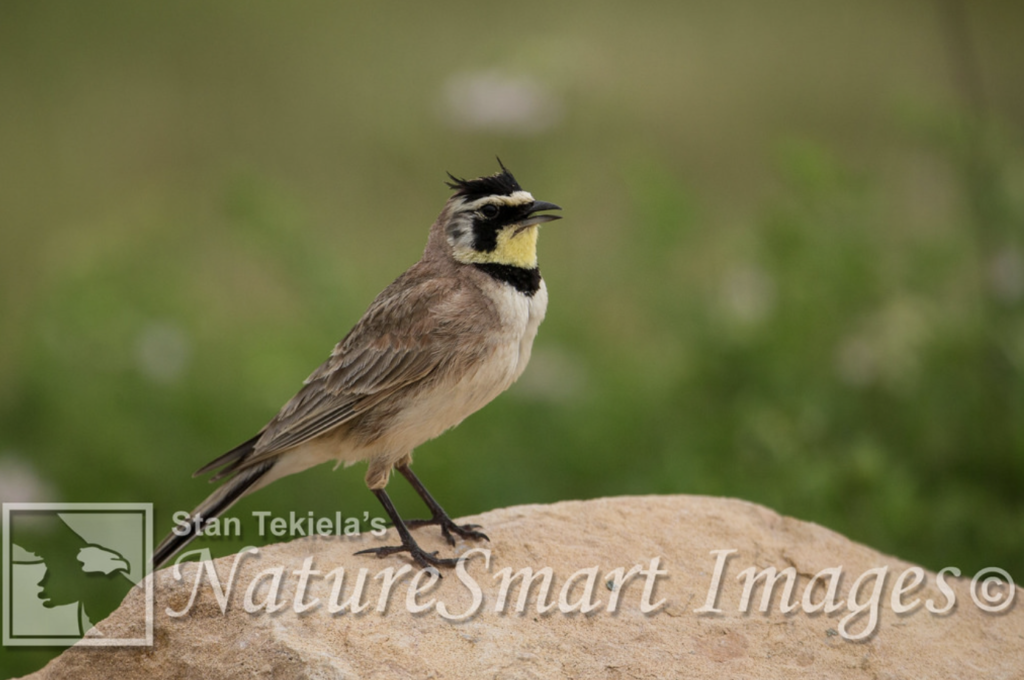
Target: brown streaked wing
321 406
408 333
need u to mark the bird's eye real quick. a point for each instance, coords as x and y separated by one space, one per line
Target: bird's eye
489 211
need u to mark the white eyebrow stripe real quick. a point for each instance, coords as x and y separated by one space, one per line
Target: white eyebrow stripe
516 198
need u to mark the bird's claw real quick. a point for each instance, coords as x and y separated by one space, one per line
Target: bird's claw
448 527
418 554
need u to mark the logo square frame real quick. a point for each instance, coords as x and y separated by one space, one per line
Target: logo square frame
138 515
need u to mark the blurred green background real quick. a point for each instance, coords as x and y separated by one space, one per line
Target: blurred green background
791 268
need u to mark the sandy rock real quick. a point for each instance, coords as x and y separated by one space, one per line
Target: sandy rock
662 623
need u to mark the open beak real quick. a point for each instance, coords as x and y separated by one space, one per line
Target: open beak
538 206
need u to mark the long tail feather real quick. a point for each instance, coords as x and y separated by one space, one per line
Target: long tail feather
218 502
232 459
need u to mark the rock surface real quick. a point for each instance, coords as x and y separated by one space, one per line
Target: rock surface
680 637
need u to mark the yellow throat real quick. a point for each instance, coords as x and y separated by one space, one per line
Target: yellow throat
516 249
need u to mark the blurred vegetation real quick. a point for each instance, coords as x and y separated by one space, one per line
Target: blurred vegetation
791 269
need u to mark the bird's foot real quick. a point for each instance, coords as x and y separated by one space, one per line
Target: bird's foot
418 554
448 527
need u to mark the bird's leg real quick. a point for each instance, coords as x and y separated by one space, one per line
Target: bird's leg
438 515
422 557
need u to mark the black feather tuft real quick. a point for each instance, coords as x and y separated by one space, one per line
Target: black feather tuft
500 184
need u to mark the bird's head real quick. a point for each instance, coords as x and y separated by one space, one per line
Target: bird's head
491 220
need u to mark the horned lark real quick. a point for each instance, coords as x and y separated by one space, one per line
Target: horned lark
448 336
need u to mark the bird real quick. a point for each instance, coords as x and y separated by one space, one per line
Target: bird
445 338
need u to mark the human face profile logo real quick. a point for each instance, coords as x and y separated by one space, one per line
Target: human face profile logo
66 566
